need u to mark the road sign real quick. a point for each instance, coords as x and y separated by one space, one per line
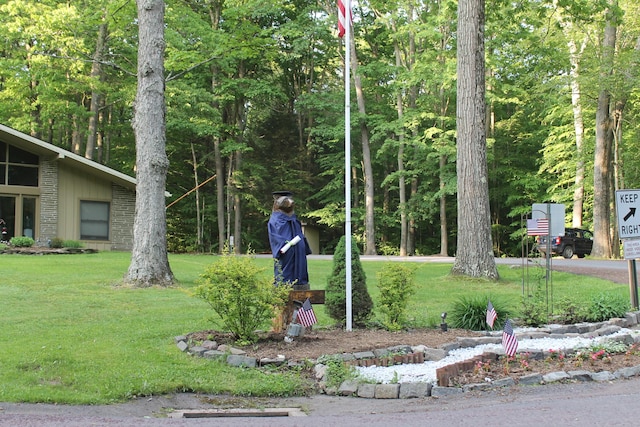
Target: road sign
628 209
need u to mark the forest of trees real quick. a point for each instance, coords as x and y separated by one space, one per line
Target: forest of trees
255 103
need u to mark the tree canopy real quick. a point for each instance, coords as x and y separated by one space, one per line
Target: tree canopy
254 103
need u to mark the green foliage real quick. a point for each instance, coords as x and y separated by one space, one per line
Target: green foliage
335 299
395 282
470 312
72 244
241 294
21 242
534 308
337 371
606 306
56 243
567 311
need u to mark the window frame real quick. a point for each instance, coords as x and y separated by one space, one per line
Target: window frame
95 221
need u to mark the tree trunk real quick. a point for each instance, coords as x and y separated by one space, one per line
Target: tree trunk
578 124
96 96
604 143
199 232
370 234
149 258
402 191
215 13
474 255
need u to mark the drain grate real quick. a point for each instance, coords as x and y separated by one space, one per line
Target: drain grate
222 413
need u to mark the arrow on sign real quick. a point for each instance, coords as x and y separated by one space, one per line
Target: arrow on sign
632 212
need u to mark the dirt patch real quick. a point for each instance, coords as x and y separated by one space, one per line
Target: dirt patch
316 343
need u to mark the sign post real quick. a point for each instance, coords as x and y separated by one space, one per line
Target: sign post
628 212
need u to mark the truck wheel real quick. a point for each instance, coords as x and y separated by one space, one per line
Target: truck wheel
567 252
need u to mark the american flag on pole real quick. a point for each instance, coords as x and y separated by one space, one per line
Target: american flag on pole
306 316
343 23
509 340
537 227
491 315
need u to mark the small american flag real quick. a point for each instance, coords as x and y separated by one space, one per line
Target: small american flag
491 315
306 316
537 227
509 340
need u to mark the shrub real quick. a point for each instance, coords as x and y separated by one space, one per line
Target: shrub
471 313
395 282
22 242
606 306
337 371
568 312
241 294
534 308
56 243
73 244
335 293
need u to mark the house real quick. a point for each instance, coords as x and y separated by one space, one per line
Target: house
47 192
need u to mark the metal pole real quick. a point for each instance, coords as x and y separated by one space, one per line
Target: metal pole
633 283
347 160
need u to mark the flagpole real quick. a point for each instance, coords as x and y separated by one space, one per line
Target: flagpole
347 159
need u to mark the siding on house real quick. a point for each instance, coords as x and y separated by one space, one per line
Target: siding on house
65 179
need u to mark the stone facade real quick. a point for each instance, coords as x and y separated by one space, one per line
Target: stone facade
48 201
123 207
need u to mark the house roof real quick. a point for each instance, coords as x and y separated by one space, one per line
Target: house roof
42 148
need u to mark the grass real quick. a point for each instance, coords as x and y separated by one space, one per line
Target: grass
71 335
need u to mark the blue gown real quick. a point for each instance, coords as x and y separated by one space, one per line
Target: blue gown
293 263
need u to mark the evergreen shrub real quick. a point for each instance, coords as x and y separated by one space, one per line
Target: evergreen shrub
335 292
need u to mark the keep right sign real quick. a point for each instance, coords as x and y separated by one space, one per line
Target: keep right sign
628 208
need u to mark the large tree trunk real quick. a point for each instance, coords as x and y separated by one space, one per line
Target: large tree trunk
604 143
474 255
370 234
149 258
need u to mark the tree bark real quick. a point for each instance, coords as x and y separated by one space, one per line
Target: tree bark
604 143
96 96
474 255
370 233
149 258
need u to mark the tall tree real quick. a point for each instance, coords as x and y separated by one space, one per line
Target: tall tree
474 255
604 142
149 259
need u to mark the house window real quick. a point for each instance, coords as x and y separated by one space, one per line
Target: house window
18 167
94 220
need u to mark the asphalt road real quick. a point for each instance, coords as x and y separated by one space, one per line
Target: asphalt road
577 404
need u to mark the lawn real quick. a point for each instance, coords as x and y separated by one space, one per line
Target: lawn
71 335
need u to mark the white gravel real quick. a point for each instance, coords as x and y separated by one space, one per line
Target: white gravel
426 372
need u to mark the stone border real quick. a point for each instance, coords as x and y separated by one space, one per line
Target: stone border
420 353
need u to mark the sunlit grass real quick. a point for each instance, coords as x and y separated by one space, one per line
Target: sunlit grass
70 334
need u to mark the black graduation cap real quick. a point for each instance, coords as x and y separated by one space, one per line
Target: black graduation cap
277 194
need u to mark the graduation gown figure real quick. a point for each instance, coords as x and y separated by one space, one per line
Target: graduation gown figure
288 244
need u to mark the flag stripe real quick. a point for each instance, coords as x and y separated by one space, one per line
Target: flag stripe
342 17
537 227
306 316
491 314
509 340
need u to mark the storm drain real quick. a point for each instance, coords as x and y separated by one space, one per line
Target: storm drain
221 413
